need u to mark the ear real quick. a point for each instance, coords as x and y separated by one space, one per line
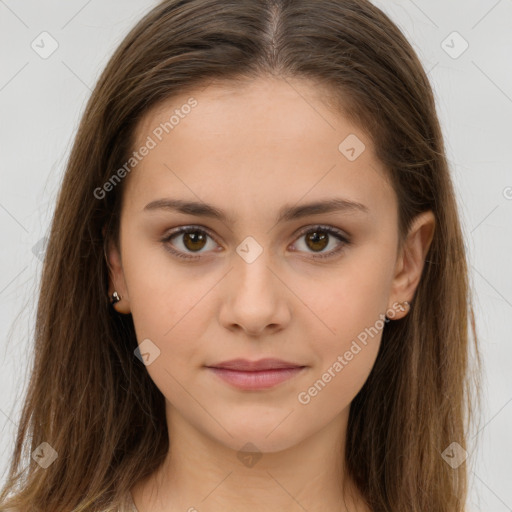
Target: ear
116 281
411 260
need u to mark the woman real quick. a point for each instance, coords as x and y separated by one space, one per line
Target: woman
255 292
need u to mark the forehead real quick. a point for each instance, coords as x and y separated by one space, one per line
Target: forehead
268 141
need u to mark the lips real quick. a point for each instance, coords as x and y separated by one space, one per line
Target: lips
256 375
244 365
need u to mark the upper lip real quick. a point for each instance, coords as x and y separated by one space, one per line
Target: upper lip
262 364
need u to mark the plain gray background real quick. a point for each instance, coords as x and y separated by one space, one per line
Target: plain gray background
42 99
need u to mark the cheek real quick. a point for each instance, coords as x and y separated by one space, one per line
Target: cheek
350 297
334 387
347 326
345 355
167 303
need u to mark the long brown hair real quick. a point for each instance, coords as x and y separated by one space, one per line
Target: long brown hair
93 401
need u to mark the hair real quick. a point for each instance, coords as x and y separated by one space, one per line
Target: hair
94 402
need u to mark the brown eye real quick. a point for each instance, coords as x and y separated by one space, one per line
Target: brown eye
194 240
189 240
316 239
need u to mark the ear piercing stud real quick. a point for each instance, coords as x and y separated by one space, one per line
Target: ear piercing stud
115 297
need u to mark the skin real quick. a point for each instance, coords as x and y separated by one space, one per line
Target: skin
250 150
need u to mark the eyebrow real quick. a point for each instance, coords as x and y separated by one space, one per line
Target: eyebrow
285 214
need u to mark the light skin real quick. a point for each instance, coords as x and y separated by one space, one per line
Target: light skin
249 151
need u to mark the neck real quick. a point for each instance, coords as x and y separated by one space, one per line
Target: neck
200 473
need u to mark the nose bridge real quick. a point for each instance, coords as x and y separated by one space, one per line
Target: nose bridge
255 295
252 274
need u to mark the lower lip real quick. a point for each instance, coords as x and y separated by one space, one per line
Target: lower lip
263 379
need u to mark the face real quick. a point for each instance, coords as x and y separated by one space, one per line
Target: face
265 277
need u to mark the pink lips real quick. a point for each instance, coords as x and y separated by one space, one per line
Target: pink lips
262 374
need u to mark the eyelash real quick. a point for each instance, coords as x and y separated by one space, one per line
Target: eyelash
192 229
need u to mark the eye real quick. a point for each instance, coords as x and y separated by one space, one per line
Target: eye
192 238
319 237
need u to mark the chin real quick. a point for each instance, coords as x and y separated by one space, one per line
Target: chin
264 439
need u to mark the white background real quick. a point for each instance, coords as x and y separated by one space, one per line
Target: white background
41 102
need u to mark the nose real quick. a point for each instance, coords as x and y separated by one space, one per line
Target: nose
256 299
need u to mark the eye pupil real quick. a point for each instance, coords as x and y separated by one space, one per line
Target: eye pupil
315 238
193 237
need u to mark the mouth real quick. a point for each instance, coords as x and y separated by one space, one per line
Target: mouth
255 375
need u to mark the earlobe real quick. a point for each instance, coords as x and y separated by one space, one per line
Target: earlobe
412 258
117 290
